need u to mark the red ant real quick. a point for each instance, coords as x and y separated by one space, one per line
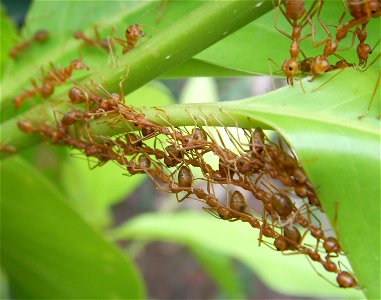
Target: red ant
40 36
59 76
26 126
133 33
320 64
53 78
364 9
295 10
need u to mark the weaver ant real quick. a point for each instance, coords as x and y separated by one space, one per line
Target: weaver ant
53 78
133 33
39 37
59 76
295 10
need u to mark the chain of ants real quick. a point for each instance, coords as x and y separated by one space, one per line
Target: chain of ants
256 165
58 76
362 11
253 169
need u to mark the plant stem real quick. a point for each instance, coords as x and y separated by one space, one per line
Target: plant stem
176 44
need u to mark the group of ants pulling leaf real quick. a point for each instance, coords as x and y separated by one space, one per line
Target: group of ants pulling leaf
249 163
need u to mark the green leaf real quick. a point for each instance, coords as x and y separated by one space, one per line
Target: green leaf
93 192
48 251
7 39
220 268
192 89
289 274
250 47
197 68
341 155
4 286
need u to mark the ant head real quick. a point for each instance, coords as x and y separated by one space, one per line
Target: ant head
199 134
363 51
77 64
290 67
374 8
134 31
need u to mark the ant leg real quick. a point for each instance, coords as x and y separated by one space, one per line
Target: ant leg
269 59
372 98
324 83
316 45
276 21
121 85
343 14
311 12
122 43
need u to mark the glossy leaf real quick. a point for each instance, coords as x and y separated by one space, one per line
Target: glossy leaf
48 251
220 267
339 152
290 274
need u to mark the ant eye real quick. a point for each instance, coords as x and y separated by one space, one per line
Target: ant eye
290 68
187 140
241 163
128 30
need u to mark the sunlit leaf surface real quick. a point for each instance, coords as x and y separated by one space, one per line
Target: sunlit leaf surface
48 251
